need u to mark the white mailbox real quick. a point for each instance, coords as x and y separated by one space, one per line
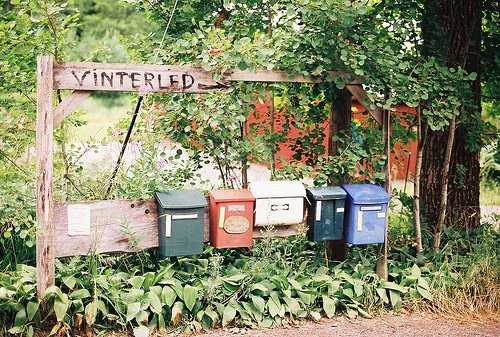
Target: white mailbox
278 202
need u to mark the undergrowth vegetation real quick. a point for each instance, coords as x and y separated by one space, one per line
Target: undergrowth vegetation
276 283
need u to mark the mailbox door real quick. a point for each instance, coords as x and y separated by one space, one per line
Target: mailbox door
232 224
181 231
279 211
329 220
366 224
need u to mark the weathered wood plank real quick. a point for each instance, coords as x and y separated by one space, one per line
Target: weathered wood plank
116 226
44 179
164 78
130 77
362 97
69 104
126 226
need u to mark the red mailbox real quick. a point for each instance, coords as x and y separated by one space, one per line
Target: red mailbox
231 218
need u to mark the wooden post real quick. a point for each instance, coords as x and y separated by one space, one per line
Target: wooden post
44 178
382 270
340 120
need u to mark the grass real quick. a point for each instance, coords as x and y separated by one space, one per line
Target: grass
100 113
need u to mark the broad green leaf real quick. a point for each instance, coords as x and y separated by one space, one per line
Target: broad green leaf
31 309
267 322
69 281
425 293
20 319
328 306
259 303
52 290
141 331
272 307
134 295
168 295
60 308
296 285
292 304
132 310
91 313
394 286
395 297
415 271
423 283
136 281
315 315
305 297
258 289
228 315
155 303
190 295
79 294
382 293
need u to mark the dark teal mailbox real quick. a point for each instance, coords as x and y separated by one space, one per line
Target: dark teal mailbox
366 214
180 222
325 216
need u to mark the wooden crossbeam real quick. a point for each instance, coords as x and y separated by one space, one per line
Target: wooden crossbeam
125 226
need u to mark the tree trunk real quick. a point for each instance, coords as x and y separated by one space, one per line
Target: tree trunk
418 170
452 32
340 120
382 269
444 185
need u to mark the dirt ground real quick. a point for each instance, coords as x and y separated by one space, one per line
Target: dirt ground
394 325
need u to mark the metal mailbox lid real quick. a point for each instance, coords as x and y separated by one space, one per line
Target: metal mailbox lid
366 194
277 189
326 193
181 199
231 195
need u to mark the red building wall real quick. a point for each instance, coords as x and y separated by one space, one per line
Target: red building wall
402 164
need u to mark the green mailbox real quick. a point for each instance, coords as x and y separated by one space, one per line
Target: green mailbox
180 222
325 216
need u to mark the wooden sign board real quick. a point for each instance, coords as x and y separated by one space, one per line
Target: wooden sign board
131 77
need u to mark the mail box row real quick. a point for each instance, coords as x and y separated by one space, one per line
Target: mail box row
356 211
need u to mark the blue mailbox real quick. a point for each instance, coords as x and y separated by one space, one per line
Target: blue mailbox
366 214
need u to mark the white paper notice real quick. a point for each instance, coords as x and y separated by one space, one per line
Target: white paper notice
78 219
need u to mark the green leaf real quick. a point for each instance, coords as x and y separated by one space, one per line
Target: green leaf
79 294
228 315
425 293
31 309
168 295
382 293
292 304
394 286
155 303
69 281
395 297
136 281
315 315
259 303
132 310
273 308
415 271
91 313
423 283
190 295
60 308
20 319
328 306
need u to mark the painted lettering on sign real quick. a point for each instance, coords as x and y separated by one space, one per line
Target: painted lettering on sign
83 76
133 79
